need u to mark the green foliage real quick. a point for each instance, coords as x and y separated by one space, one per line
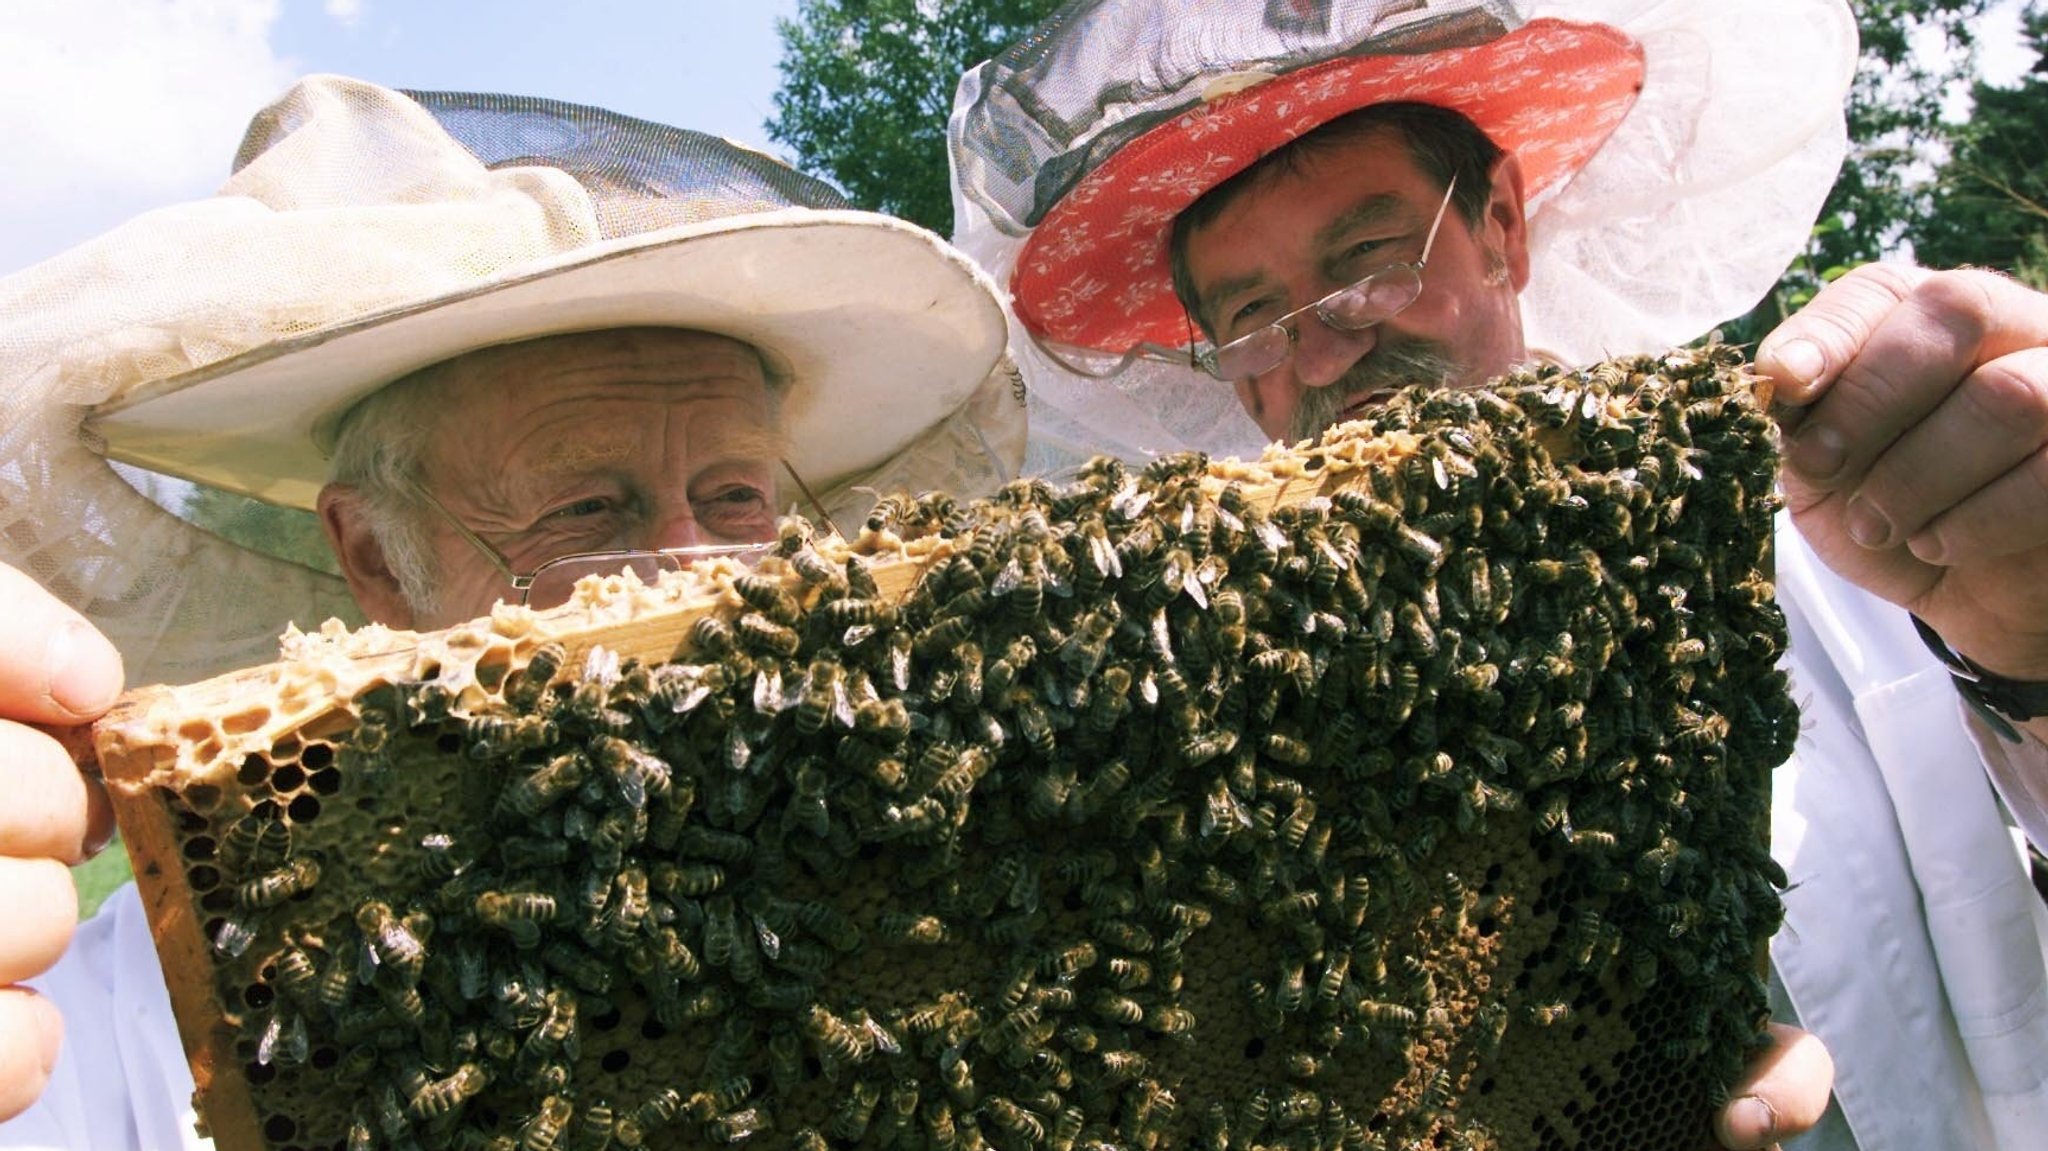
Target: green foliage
286 533
97 878
1990 204
867 86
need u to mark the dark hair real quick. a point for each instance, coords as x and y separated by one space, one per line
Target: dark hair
1441 142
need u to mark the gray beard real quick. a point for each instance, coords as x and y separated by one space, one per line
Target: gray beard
1387 368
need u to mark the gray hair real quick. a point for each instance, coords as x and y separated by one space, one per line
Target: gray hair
377 450
378 447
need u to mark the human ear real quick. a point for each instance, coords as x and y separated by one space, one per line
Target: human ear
1505 227
363 564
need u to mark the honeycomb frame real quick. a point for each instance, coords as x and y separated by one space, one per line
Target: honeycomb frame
1405 789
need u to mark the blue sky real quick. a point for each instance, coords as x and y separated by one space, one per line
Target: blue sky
112 107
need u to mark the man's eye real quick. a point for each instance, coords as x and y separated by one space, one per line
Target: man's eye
591 506
739 497
1246 316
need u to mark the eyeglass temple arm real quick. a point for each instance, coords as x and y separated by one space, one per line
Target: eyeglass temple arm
519 582
1429 244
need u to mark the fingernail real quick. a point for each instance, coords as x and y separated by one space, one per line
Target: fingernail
85 670
1867 525
1800 359
1818 453
1927 548
1752 1122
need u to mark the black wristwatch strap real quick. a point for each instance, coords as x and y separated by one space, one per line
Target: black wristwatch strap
2001 702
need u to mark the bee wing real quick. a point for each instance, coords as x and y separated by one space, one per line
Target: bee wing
842 704
601 665
857 635
1055 580
768 694
899 662
771 943
737 750
236 933
1102 555
1009 578
1130 502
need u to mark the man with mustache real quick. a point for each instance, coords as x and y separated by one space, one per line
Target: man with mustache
1315 202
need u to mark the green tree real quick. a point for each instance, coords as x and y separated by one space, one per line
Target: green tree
1990 202
867 86
286 533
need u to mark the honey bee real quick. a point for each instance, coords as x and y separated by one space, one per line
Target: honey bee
723 847
1015 1120
259 841
856 1110
762 634
652 1114
525 687
503 736
939 1127
294 878
738 1126
823 698
1120 1009
635 774
518 913
284 1040
540 1132
538 790
443 1096
928 930
586 971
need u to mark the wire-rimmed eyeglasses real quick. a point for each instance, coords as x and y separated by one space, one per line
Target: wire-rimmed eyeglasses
1382 294
554 582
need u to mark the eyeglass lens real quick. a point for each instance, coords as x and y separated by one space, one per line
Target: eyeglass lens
1378 297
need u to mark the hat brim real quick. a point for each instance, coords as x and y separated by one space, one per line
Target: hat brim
1095 273
883 328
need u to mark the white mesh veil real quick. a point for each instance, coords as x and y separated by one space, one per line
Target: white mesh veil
347 198
1683 219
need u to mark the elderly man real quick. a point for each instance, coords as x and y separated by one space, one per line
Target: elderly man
496 344
1345 198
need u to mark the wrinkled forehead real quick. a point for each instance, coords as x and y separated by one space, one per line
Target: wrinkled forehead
611 356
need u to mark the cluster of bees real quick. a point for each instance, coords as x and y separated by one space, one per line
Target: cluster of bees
1422 807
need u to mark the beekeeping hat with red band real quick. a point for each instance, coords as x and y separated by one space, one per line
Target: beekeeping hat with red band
366 233
1674 153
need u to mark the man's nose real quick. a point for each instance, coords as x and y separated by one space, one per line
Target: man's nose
1322 354
676 528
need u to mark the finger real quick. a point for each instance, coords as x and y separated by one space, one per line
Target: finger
54 666
1989 427
1909 361
50 809
31 1031
39 905
1784 1094
1806 352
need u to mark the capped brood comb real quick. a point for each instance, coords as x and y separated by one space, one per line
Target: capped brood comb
1402 790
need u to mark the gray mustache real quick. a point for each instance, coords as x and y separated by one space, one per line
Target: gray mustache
1386 368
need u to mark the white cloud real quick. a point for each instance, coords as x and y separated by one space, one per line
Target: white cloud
345 11
117 106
